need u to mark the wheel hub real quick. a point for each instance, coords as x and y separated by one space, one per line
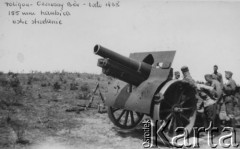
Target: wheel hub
177 109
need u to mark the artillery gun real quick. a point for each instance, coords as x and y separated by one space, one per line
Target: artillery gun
145 87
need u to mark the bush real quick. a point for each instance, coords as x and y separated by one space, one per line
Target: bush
90 76
98 78
83 95
64 81
44 84
3 81
10 73
56 86
15 82
85 88
73 86
36 79
29 80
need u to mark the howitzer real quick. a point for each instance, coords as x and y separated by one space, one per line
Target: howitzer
146 87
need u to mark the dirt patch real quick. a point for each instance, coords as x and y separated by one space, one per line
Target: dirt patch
48 117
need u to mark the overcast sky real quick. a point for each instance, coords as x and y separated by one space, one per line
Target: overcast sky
202 33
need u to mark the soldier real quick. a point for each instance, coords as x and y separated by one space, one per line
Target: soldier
212 109
237 106
177 75
229 90
237 96
217 75
217 87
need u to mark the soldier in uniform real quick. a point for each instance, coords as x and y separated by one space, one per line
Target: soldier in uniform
217 91
217 75
213 102
177 75
229 90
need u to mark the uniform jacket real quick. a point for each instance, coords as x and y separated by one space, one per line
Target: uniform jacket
219 77
217 90
229 90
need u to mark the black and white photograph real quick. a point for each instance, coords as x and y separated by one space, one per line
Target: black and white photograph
119 74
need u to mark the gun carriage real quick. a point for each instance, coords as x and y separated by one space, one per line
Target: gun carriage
144 87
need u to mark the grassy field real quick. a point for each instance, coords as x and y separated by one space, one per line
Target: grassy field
45 111
41 105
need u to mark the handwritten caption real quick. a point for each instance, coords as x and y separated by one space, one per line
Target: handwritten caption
49 12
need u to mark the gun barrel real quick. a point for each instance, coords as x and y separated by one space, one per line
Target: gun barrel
137 66
121 72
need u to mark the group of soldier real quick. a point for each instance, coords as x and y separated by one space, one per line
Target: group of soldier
215 100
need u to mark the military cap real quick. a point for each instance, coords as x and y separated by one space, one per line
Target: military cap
229 72
184 69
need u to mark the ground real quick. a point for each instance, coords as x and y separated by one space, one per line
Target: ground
42 115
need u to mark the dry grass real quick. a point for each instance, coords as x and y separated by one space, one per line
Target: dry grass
33 115
36 107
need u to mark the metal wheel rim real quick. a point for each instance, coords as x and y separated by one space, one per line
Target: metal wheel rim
173 115
125 119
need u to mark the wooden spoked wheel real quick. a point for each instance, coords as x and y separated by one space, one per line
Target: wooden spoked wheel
125 119
177 109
